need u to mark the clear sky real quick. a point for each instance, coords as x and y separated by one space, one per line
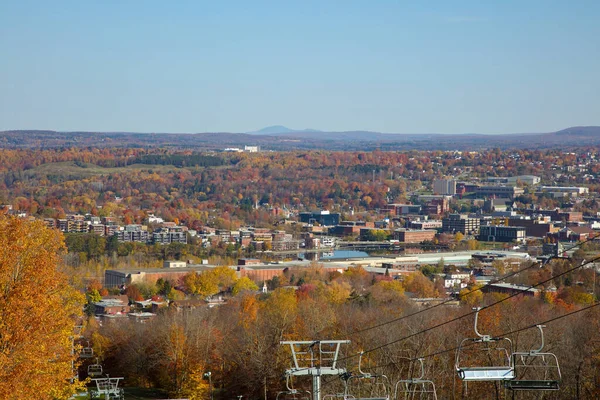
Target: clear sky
390 66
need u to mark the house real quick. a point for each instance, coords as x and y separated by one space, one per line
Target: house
457 279
510 289
112 305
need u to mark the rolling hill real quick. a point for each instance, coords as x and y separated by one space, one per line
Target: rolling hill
288 139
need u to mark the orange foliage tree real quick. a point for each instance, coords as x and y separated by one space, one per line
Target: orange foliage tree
38 309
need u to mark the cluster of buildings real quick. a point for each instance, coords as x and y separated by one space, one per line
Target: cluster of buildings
504 187
497 218
260 239
454 278
246 149
165 233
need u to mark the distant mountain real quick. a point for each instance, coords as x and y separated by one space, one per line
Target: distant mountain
280 129
289 139
579 131
586 135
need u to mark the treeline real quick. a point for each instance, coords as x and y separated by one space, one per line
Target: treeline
226 197
89 255
178 160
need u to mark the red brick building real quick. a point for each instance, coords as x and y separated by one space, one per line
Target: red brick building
414 235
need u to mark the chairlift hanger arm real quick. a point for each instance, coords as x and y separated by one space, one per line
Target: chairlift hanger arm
541 328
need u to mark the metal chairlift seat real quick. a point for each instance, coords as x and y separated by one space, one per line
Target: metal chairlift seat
94 370
503 370
291 392
533 385
415 388
108 388
378 390
535 370
494 373
86 352
339 396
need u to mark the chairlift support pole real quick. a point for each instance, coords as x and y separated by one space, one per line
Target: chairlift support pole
321 361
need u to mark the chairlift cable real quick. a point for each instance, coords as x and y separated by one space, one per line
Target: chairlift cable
504 334
493 281
586 262
482 308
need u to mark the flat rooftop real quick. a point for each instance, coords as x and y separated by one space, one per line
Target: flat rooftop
459 258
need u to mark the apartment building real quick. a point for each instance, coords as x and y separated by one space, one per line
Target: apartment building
462 223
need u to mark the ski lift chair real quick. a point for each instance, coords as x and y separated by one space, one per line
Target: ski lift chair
415 388
496 349
102 388
116 392
87 351
378 383
292 393
107 388
535 370
94 370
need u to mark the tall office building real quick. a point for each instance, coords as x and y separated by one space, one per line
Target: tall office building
444 186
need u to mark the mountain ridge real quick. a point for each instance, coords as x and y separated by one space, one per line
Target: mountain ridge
576 136
280 129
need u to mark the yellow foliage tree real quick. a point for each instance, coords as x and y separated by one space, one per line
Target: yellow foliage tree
206 284
249 310
243 284
387 291
280 309
196 387
473 244
471 296
420 285
224 277
337 292
209 282
38 309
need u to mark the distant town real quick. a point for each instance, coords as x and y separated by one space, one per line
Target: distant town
155 238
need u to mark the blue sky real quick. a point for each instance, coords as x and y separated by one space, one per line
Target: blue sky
236 66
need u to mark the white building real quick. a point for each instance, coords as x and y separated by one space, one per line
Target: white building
457 280
526 179
152 219
328 241
565 189
174 264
